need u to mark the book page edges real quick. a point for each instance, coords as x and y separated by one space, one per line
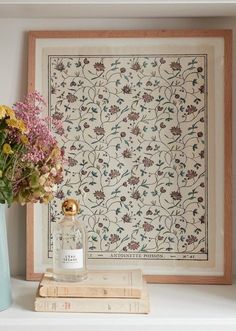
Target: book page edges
131 288
94 305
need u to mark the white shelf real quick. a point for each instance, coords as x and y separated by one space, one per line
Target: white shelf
173 308
116 8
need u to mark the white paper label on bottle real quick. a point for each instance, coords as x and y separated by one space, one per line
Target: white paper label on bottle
72 258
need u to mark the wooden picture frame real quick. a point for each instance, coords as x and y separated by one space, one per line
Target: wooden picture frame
149 48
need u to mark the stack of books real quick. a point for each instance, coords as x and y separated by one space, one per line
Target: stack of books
123 291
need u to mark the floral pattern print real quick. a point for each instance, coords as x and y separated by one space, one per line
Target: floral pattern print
134 132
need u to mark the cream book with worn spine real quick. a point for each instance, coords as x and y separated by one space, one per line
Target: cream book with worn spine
110 284
95 305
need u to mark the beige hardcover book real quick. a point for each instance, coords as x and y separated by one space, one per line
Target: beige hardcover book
95 305
110 284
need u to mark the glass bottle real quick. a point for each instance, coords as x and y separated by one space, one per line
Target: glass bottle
69 245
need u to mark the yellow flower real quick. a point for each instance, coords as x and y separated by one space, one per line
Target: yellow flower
6 111
10 112
0 173
2 112
12 122
21 126
24 139
18 124
7 149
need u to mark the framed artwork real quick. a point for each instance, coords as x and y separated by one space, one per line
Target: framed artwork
146 129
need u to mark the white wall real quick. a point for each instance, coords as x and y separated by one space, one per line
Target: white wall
13 86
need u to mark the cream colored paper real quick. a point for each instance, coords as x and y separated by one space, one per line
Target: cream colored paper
209 57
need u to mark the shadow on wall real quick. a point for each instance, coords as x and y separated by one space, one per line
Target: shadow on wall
15 217
22 68
16 214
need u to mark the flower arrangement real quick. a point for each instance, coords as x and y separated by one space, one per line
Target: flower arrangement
30 159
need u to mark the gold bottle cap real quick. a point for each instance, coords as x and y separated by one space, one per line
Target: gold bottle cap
70 207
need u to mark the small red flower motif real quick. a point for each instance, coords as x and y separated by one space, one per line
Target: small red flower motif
133 245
